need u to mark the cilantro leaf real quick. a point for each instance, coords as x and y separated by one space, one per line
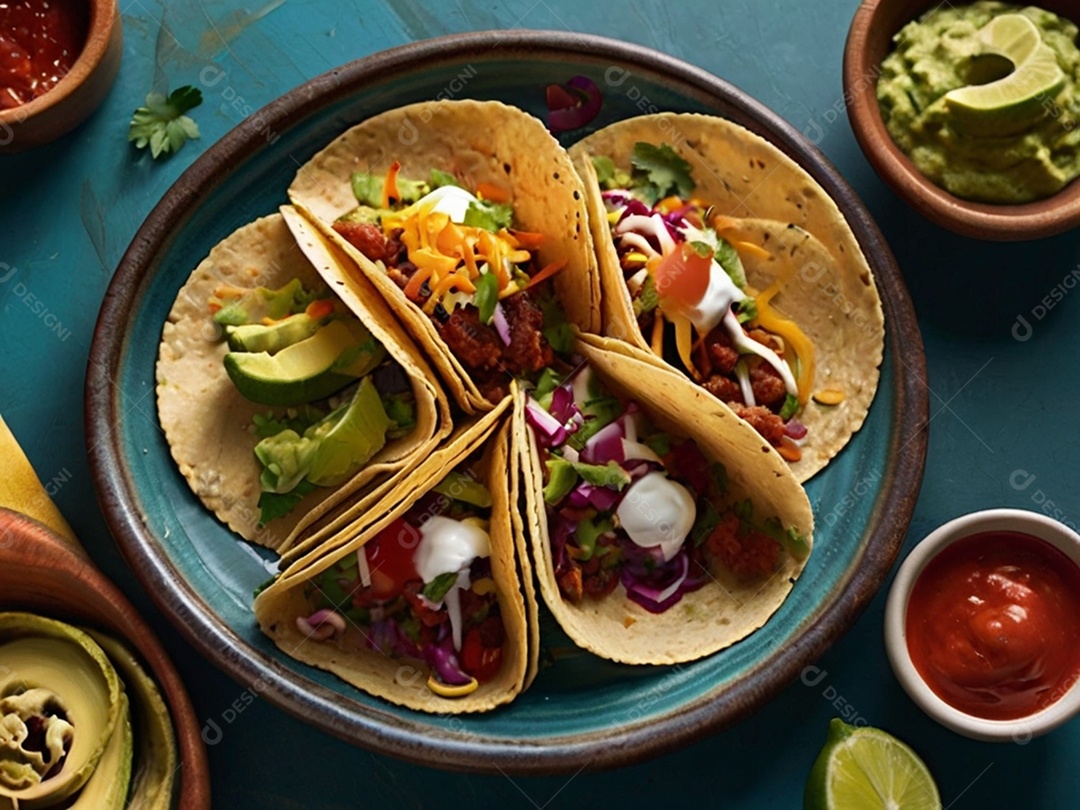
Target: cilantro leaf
161 123
664 171
488 215
273 505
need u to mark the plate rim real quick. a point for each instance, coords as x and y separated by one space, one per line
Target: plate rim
315 704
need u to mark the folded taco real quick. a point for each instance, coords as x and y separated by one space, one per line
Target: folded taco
663 528
723 257
470 219
423 604
278 400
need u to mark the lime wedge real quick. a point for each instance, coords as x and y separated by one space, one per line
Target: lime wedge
1015 102
312 369
1013 36
868 769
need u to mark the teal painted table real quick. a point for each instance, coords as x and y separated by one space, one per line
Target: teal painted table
995 319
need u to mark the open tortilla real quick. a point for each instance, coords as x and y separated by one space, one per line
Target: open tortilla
481 446
772 203
208 423
480 143
725 609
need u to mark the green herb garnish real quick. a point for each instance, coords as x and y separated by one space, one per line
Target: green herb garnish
161 124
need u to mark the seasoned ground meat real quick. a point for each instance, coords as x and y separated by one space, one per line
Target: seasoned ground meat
721 353
494 384
768 387
724 389
366 237
476 346
528 351
744 551
570 584
764 421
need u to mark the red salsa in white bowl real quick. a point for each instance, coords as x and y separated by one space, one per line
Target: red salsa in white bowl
982 624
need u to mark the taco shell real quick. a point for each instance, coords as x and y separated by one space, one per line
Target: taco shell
478 142
724 610
777 206
402 681
208 423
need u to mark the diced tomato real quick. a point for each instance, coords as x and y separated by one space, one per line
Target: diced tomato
390 559
682 276
481 650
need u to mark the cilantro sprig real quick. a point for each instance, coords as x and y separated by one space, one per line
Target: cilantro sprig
659 171
161 124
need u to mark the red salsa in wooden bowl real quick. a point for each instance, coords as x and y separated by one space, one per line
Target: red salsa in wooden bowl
993 624
39 42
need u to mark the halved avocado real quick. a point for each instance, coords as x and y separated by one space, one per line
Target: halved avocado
57 677
335 356
155 758
272 338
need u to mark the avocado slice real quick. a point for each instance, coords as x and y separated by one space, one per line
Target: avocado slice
332 450
463 487
272 338
56 677
335 356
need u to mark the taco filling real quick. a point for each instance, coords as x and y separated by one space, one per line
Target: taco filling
337 397
691 297
629 504
420 589
456 255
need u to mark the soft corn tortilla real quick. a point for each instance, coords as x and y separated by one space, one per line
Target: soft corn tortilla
208 424
721 612
401 681
478 141
830 293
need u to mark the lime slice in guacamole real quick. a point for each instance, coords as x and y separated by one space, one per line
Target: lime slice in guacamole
1013 103
316 367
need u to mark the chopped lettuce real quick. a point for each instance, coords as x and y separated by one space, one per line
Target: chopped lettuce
648 299
790 407
437 589
486 296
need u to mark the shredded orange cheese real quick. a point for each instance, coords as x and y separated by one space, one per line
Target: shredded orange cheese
451 256
770 320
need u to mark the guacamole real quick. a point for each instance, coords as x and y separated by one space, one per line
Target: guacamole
1027 150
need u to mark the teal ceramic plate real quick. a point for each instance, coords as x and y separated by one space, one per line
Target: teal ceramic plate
581 710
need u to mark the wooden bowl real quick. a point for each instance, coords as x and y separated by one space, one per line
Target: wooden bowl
42 573
869 42
76 95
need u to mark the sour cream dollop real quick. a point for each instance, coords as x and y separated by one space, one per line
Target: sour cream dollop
656 511
448 545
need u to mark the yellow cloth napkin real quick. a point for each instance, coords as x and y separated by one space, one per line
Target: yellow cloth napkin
21 490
